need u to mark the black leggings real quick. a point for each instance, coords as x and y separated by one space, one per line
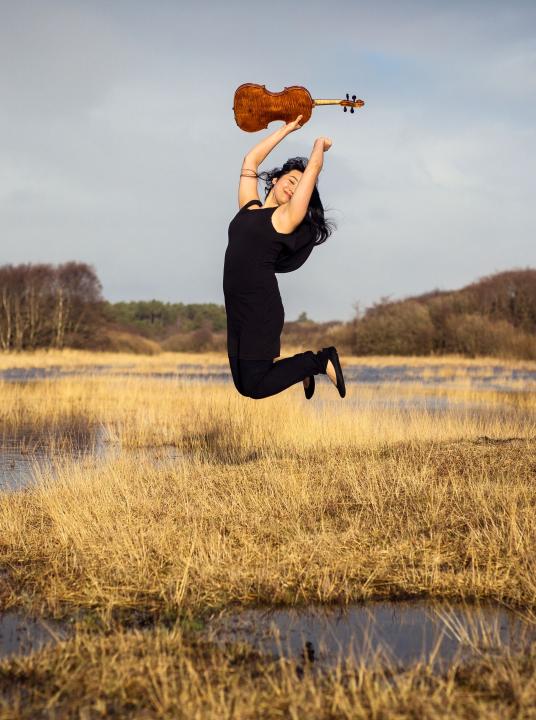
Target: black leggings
261 378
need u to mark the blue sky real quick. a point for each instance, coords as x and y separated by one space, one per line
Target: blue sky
119 146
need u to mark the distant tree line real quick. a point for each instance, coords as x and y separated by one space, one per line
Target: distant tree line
159 320
176 327
48 306
62 306
495 316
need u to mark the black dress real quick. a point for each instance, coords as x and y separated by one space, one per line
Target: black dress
255 252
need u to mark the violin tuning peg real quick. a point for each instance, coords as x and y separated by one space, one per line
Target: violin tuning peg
345 108
347 96
351 110
353 97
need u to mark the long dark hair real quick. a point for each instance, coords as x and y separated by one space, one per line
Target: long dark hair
321 228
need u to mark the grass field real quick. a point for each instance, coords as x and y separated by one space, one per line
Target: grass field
282 501
168 360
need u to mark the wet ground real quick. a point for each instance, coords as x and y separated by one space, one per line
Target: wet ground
22 634
489 377
397 633
22 455
20 465
401 633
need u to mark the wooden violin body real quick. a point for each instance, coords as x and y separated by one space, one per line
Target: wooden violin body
255 106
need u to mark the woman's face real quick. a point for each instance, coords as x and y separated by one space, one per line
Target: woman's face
284 187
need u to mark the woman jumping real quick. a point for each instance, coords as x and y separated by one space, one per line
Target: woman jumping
264 239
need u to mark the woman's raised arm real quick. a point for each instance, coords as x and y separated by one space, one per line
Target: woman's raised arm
247 189
292 213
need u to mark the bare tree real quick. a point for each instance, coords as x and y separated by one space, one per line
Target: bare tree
46 306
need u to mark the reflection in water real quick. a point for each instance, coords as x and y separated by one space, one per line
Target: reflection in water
25 452
20 455
400 632
397 632
21 634
479 377
22 461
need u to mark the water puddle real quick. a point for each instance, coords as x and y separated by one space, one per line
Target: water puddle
26 453
483 377
397 633
488 377
400 633
21 634
25 457
182 372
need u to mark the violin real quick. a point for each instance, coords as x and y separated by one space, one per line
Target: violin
255 106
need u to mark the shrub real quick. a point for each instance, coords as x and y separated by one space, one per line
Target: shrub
474 335
122 341
202 340
403 328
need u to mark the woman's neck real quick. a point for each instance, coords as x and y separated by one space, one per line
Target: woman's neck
270 201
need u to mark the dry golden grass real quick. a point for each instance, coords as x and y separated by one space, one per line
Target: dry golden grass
270 501
282 501
164 674
437 519
82 358
152 412
168 361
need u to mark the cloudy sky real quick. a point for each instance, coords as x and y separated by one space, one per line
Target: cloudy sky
118 144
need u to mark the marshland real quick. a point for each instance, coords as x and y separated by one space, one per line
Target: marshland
189 552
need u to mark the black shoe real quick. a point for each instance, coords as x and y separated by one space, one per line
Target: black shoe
310 389
333 355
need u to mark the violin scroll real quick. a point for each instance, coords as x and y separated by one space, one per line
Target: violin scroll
353 103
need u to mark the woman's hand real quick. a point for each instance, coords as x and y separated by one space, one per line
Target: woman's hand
261 150
294 125
324 142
